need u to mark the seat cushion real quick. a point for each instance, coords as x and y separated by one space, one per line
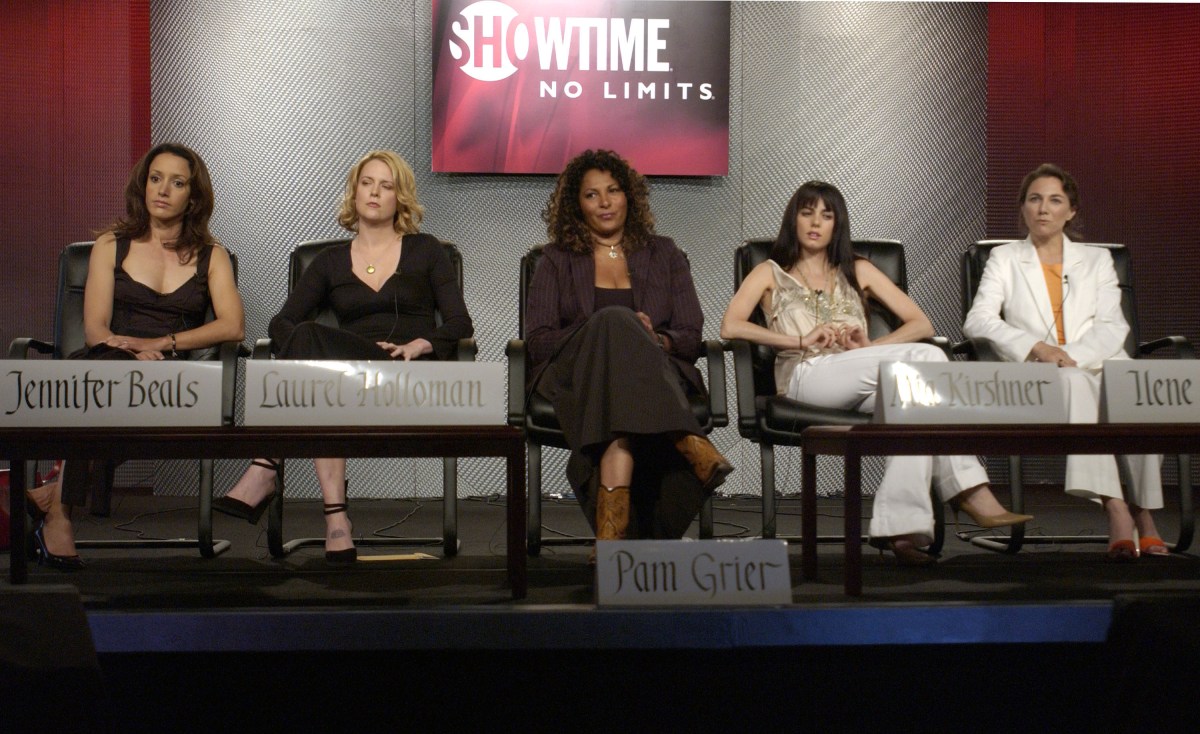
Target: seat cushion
782 419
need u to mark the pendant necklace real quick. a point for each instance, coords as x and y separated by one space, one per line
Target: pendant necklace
821 300
370 269
612 252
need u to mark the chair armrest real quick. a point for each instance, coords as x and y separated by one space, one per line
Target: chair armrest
977 350
941 343
966 347
714 352
262 349
1183 347
743 376
19 348
515 351
466 350
228 353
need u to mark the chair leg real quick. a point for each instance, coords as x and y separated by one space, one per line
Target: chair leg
534 498
1187 516
449 506
101 481
766 455
706 519
204 533
275 516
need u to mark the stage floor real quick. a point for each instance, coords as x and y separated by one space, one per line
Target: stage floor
1046 593
246 639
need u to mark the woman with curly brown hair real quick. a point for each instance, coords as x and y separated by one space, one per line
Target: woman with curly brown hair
613 334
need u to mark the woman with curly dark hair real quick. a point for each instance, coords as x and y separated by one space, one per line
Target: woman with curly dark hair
613 334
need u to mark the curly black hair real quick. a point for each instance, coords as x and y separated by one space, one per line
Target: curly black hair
564 217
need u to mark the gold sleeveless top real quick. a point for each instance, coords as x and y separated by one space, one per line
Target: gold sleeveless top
795 310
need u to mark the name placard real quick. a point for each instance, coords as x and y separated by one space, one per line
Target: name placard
705 572
969 392
373 393
86 394
1151 391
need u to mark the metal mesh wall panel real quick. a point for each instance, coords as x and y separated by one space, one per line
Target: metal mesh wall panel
885 100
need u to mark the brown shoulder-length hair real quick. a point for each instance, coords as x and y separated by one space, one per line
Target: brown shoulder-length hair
564 217
409 211
1073 228
193 232
840 252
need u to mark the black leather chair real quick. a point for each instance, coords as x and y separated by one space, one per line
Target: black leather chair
298 262
69 338
769 419
974 260
535 416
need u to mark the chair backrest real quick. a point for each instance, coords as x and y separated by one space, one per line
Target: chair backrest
68 315
529 263
887 255
975 259
305 252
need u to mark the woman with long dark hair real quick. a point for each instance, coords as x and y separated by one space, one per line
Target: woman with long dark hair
815 294
151 280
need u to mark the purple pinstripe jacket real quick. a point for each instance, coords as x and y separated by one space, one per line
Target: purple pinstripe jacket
562 296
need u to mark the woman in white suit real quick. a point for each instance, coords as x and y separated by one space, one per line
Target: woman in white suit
1048 299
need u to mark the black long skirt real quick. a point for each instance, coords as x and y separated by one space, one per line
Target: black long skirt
610 379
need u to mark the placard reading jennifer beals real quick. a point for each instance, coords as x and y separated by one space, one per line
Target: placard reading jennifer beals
368 393
933 393
85 394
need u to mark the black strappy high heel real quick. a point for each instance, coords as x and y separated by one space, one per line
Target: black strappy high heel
346 555
250 513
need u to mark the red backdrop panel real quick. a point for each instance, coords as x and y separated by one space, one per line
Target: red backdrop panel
76 107
1109 93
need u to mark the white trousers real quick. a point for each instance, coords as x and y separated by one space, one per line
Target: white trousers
849 380
1095 476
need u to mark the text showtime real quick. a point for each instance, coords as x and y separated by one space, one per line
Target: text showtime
490 39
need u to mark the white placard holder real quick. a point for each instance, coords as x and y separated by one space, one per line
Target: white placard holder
373 393
75 393
1150 391
938 393
692 573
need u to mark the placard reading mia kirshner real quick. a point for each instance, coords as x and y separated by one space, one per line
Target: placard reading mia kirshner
42 393
373 393
933 393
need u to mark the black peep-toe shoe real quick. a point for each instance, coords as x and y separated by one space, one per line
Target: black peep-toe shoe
249 513
346 555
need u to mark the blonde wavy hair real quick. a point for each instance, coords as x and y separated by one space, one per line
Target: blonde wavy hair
408 210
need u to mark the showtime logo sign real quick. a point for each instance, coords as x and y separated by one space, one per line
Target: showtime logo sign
492 38
522 86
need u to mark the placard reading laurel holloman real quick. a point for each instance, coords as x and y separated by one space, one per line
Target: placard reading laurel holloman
369 393
1151 391
969 392
39 393
705 572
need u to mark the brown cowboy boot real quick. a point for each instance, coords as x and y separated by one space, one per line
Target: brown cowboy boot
709 466
612 515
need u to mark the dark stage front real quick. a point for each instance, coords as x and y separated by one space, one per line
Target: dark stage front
244 638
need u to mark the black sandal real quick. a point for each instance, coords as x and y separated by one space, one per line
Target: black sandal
346 555
250 513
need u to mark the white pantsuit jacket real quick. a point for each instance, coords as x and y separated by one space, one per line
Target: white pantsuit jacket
1012 312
